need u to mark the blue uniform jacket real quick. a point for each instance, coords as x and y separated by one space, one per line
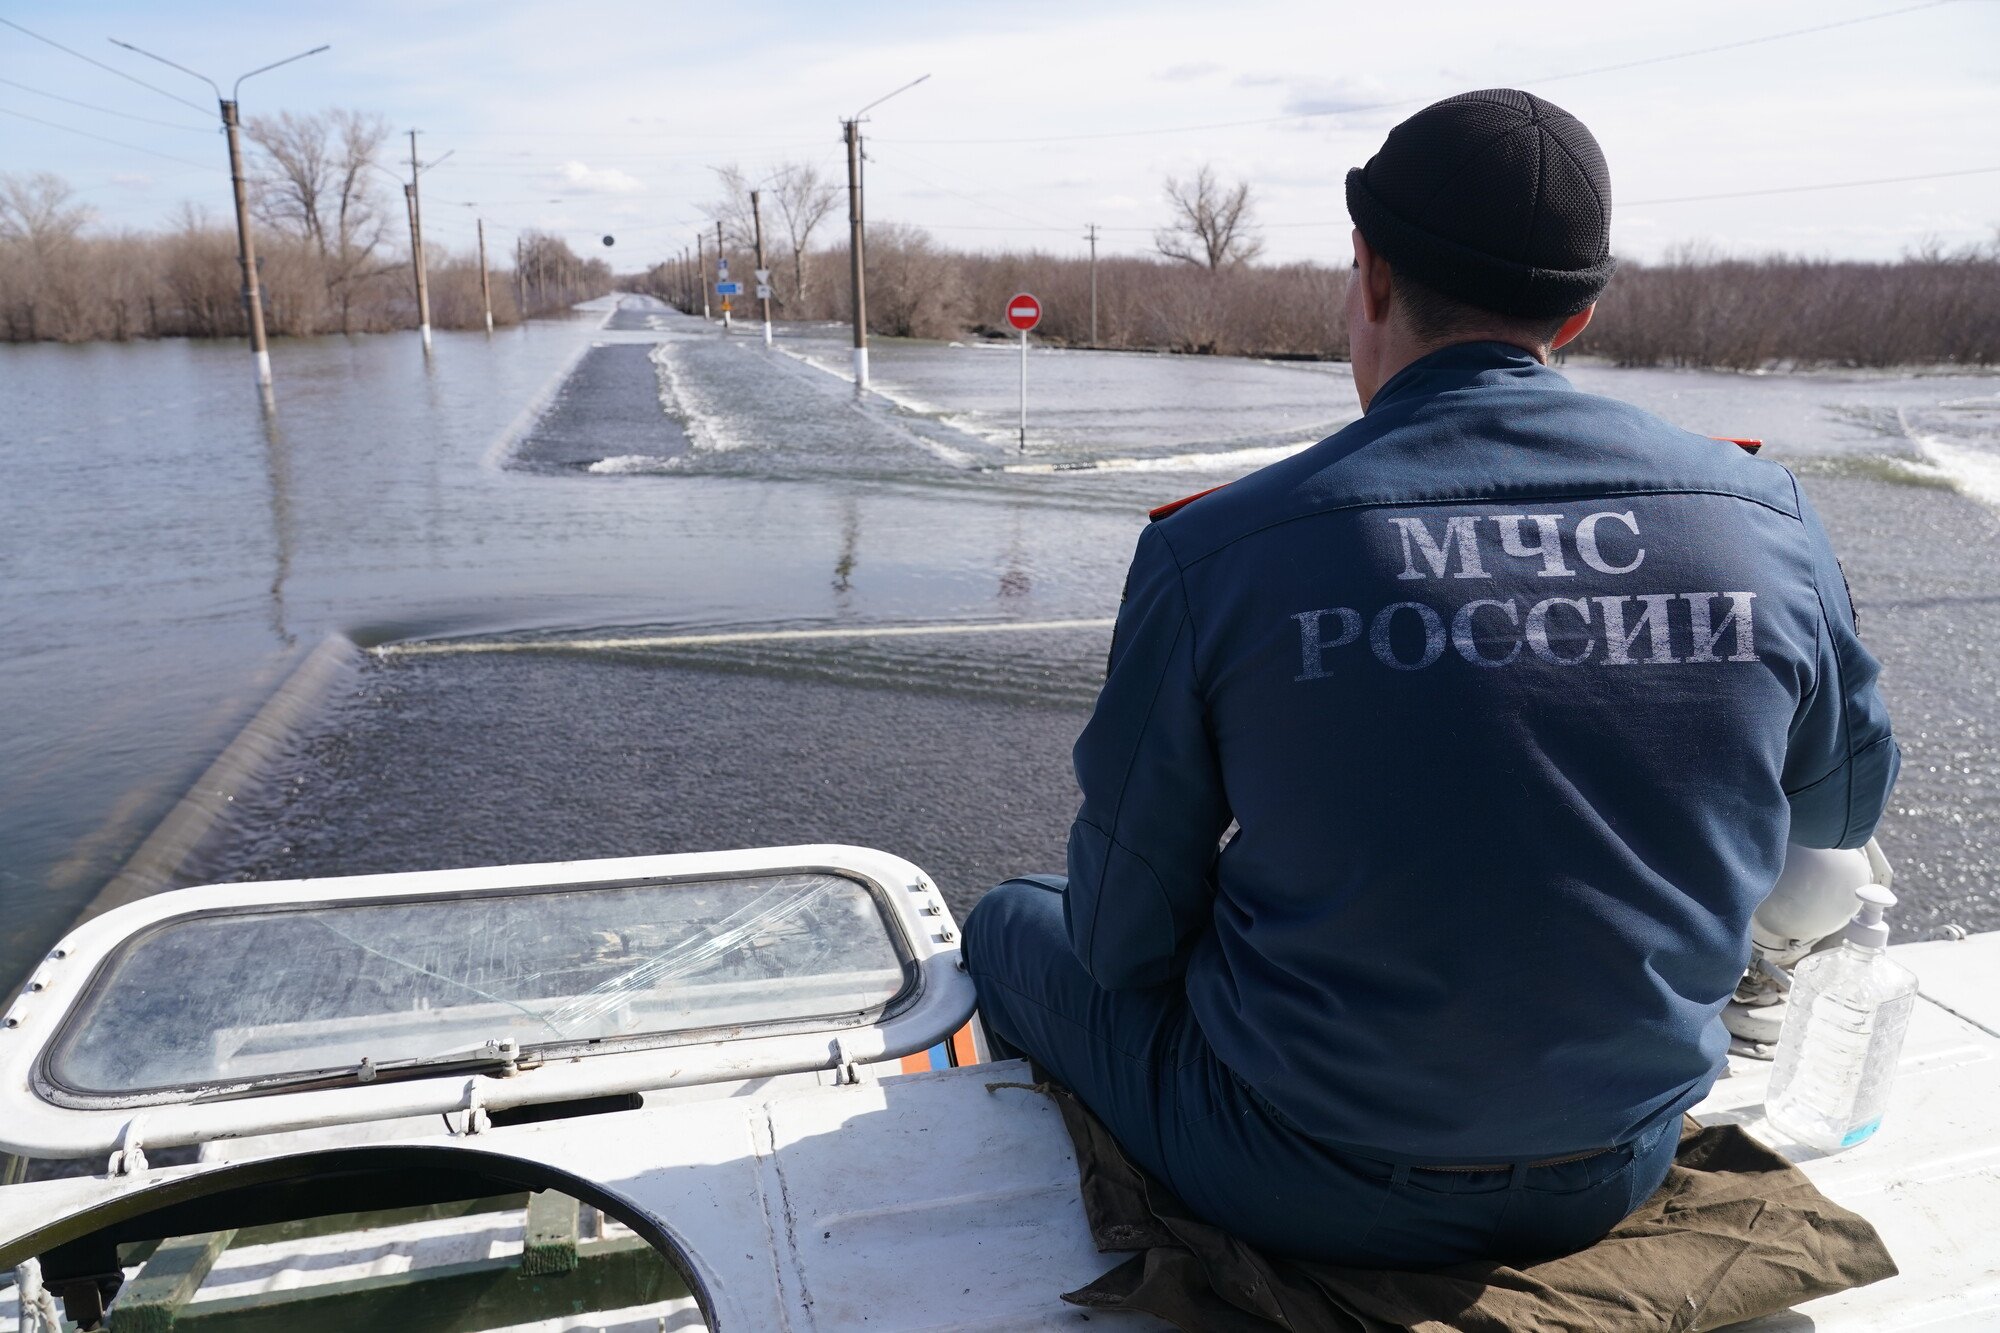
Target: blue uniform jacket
1515 694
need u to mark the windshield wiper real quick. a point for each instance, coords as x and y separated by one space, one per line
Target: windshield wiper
501 1056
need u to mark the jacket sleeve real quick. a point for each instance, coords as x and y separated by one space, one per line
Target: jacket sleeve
1841 762
1143 848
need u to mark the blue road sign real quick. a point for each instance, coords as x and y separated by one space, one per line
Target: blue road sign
729 289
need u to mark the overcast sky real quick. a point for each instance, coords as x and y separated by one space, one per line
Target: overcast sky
1038 117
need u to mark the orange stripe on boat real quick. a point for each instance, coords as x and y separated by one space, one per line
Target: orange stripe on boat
962 1051
920 1063
1747 446
1175 506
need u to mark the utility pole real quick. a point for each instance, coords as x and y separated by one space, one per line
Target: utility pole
701 270
485 280
1092 238
763 275
856 247
417 247
855 266
246 249
721 260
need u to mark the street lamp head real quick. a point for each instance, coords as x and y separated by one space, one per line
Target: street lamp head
886 96
238 85
323 46
169 64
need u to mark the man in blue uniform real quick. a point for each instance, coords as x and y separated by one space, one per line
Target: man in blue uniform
1439 768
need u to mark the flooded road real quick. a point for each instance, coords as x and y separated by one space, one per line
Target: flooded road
643 514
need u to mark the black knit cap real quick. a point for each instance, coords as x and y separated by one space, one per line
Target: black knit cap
1496 198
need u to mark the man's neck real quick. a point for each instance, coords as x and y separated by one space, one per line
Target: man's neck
1396 354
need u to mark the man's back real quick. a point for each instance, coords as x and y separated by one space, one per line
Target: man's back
1506 687
1513 696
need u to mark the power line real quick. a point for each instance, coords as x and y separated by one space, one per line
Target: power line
1344 223
976 226
89 106
568 200
616 134
1801 189
1747 41
113 69
1420 101
116 143
618 154
1039 224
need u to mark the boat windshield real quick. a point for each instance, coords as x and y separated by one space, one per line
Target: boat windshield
230 998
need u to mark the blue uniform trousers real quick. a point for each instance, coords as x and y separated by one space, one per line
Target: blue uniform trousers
1139 1061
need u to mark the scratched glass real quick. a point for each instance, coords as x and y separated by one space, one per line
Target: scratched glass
226 999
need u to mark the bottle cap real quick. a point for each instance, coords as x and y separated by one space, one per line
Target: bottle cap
1869 930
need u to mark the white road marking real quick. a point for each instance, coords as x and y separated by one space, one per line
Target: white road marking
450 646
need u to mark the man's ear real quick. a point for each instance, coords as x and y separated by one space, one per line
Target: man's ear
1374 278
1572 326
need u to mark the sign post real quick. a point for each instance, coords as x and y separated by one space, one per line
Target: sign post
1024 312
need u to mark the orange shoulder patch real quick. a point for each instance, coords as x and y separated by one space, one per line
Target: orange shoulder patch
1747 446
1175 506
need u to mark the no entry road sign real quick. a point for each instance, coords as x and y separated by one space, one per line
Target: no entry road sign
1024 312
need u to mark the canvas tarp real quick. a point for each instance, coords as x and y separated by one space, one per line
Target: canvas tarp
1735 1232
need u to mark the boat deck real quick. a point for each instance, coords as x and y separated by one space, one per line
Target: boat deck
1929 1179
947 1199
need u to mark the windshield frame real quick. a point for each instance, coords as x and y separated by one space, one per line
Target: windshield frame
51 1087
928 1009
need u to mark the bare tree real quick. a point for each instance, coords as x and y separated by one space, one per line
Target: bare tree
38 210
40 231
913 286
1213 225
199 274
804 198
556 277
313 180
733 208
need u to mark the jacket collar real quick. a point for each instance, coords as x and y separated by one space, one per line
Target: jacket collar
1464 364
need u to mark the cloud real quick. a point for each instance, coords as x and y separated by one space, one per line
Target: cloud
1326 97
583 179
1197 69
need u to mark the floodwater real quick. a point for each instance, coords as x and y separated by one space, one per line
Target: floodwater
602 533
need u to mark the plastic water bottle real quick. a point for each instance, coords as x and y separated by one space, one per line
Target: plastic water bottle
1844 1025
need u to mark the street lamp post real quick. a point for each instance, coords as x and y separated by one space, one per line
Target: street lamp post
246 247
850 132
